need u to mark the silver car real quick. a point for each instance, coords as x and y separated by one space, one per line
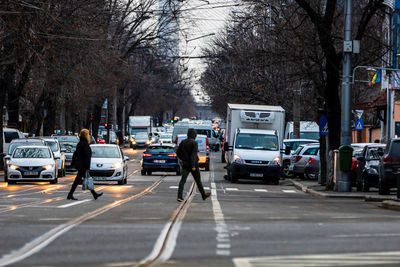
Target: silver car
301 157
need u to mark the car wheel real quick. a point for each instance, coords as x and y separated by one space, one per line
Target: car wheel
59 173
54 181
126 180
207 167
365 187
383 190
142 172
276 181
64 172
11 182
148 172
121 182
178 172
285 170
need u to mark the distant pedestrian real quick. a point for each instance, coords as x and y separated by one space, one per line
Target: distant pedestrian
81 162
187 153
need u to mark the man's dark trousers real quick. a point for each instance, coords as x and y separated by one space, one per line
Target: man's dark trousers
197 179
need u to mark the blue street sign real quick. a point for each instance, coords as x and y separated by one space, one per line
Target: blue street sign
359 125
323 125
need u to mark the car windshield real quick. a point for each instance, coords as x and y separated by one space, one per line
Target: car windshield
159 149
307 135
53 145
13 146
295 144
32 152
166 136
71 138
257 141
373 153
204 132
68 147
105 152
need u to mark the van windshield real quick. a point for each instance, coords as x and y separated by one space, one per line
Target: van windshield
256 141
306 135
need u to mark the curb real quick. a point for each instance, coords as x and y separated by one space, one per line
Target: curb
391 205
323 194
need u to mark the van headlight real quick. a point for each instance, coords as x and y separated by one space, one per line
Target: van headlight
237 159
48 166
117 165
275 161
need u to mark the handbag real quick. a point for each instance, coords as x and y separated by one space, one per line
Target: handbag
88 183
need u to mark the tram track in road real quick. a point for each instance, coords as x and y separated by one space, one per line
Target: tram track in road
44 240
166 242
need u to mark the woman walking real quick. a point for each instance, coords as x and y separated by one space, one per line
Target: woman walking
81 162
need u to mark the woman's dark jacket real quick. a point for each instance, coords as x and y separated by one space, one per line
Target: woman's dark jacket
82 156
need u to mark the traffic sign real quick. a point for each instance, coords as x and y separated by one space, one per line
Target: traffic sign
359 125
323 125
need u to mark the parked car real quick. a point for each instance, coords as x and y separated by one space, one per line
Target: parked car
160 157
311 169
100 139
113 136
203 149
389 167
165 138
56 149
357 151
141 140
301 157
367 167
32 163
293 144
17 143
108 163
68 148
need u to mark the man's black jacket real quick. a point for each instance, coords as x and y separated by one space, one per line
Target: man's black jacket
187 153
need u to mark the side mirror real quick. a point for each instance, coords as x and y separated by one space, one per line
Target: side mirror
2 155
287 150
7 157
126 158
226 146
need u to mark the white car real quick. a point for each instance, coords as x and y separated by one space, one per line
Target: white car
108 164
33 164
55 147
165 138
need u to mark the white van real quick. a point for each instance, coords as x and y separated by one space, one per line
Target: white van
8 135
308 130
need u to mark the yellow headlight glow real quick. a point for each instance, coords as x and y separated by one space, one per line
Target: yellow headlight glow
48 167
116 165
14 167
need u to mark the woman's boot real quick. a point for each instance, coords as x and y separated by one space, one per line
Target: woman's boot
71 192
96 195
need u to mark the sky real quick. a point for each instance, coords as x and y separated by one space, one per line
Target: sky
201 21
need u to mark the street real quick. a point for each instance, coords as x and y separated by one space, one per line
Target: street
140 224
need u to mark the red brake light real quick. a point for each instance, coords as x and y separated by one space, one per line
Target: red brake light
311 161
172 155
176 140
147 155
390 159
207 143
297 158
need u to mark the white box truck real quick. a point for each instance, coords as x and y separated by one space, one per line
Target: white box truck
308 130
138 124
253 142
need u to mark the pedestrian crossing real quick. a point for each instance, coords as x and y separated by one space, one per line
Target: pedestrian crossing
321 260
257 190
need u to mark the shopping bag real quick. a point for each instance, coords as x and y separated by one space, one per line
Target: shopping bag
88 183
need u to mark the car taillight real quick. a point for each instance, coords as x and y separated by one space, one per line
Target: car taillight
207 143
311 161
390 159
354 163
147 155
297 158
172 155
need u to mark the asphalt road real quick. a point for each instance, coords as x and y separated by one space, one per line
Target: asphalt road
140 224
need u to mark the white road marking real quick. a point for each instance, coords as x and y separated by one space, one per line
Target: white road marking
231 189
368 235
173 187
73 203
288 191
206 188
223 252
345 259
223 245
54 219
261 190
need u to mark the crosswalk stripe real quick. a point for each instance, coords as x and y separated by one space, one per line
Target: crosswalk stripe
231 189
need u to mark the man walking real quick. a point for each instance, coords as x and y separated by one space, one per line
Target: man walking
187 153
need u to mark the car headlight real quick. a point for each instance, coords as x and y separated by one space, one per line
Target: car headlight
148 142
14 167
116 165
237 159
133 142
48 167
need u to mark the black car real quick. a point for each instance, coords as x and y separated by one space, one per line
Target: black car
389 167
160 158
367 167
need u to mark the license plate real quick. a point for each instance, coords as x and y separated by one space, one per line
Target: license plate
159 161
100 178
256 175
31 173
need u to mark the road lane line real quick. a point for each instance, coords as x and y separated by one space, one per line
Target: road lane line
261 190
288 191
173 187
44 240
73 203
231 189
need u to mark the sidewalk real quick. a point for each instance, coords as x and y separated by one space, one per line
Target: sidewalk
313 188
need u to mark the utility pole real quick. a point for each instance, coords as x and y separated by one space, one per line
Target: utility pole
344 184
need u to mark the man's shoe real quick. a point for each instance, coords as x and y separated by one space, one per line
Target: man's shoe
97 195
179 199
71 197
207 195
